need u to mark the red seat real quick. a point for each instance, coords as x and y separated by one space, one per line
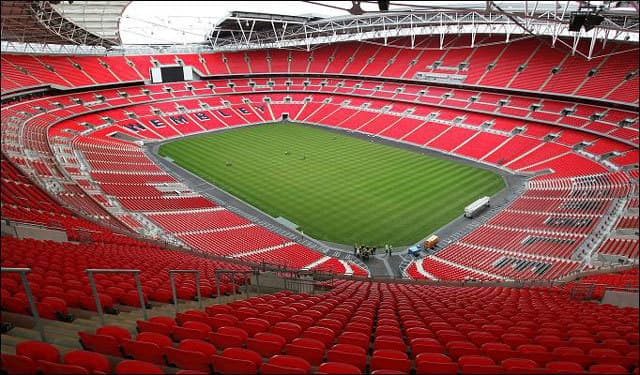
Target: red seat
187 359
607 369
354 338
425 345
475 360
254 325
428 367
266 347
564 367
143 351
116 332
100 343
481 369
302 320
218 309
337 368
198 346
137 367
18 364
225 365
498 351
323 334
228 337
310 354
433 357
243 354
285 364
519 363
389 342
51 368
456 349
352 357
222 320
167 321
38 350
161 340
147 326
89 360
287 330
183 333
387 363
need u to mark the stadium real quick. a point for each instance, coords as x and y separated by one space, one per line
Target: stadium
330 187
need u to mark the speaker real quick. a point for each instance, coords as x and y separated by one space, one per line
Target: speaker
592 20
576 21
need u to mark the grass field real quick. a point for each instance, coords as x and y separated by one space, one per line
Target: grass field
335 187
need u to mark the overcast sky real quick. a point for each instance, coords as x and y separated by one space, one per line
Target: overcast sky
183 22
189 21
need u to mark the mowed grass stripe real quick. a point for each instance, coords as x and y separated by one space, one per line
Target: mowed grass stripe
337 188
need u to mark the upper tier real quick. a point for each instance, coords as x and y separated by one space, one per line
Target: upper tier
527 65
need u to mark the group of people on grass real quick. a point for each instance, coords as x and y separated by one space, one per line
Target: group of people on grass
364 252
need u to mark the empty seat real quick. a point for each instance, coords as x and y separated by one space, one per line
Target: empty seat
38 350
187 359
146 326
354 338
607 369
116 332
389 342
323 334
564 367
18 364
337 368
346 353
51 368
137 367
390 360
287 330
89 360
161 340
183 333
254 325
425 345
266 344
225 365
100 343
143 351
523 363
285 364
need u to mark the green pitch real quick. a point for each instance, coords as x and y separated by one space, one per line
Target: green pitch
335 187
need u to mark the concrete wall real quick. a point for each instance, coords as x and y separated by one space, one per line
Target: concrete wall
622 299
39 233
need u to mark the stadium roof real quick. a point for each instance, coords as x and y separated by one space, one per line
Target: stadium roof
101 27
93 23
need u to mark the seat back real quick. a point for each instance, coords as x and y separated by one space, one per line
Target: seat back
143 351
100 343
187 359
337 368
225 365
38 350
89 360
51 368
137 367
18 364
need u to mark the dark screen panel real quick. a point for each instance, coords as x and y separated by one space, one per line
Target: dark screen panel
172 74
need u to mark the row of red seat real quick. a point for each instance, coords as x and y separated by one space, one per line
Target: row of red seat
495 65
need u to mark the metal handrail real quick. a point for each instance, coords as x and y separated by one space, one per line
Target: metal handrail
173 286
27 290
233 280
92 282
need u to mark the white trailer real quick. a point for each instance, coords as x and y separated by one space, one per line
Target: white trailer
476 207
